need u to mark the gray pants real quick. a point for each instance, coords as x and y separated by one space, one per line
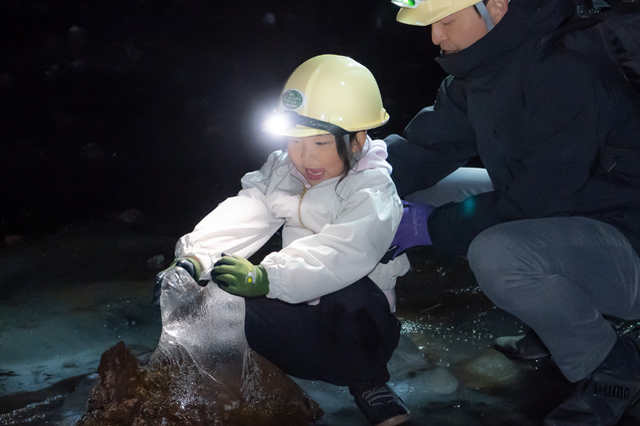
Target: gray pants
560 276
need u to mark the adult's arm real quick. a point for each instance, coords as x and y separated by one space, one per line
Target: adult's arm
436 142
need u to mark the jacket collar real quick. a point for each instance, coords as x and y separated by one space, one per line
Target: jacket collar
524 21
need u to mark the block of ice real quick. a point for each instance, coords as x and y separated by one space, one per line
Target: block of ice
207 323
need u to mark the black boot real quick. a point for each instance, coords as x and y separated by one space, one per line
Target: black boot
528 347
606 394
381 406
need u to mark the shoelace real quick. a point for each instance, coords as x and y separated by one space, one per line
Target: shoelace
381 394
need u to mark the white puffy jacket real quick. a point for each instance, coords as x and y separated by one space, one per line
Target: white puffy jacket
334 233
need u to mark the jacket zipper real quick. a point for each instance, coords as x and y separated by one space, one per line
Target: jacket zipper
304 191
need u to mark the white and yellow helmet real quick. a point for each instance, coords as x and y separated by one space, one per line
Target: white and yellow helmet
327 94
426 12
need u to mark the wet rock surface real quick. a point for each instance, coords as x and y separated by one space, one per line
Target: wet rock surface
176 392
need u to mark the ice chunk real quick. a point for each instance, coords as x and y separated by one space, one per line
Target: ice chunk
207 322
490 369
406 358
427 384
412 376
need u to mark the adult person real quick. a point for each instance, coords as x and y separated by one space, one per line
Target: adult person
554 237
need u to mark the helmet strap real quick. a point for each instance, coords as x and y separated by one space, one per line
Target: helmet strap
482 10
347 141
315 124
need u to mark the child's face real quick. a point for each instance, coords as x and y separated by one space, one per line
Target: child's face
316 157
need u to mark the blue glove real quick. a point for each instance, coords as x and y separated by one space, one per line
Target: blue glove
412 231
189 263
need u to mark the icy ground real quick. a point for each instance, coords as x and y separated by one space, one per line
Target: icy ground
64 300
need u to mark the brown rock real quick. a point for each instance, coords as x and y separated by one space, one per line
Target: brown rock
173 390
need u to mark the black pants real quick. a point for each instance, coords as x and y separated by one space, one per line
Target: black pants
347 339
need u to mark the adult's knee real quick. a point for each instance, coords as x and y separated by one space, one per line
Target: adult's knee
498 258
491 250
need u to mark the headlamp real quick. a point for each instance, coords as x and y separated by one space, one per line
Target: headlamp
407 3
280 122
277 123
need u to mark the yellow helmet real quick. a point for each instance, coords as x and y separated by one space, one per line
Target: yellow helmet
328 94
426 12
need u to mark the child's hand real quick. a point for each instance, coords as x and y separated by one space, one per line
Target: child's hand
191 264
236 275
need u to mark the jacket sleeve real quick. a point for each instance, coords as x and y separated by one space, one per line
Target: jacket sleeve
239 225
453 226
343 251
436 142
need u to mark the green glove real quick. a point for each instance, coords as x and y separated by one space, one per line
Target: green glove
236 275
189 263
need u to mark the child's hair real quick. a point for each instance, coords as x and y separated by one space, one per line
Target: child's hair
349 160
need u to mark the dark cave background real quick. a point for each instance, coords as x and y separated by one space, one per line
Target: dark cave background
147 112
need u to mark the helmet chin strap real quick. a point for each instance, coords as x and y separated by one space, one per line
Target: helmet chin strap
482 10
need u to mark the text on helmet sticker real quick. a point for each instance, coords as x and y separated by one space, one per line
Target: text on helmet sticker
292 99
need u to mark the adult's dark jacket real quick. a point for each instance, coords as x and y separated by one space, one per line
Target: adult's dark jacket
555 125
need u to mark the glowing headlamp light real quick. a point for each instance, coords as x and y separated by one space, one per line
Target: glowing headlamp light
277 123
407 3
282 121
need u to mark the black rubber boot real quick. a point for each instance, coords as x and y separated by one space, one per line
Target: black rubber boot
527 347
605 395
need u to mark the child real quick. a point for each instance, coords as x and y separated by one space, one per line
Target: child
325 315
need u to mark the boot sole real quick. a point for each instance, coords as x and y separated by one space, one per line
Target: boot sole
397 420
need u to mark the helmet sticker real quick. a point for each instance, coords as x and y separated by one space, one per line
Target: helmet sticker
292 99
